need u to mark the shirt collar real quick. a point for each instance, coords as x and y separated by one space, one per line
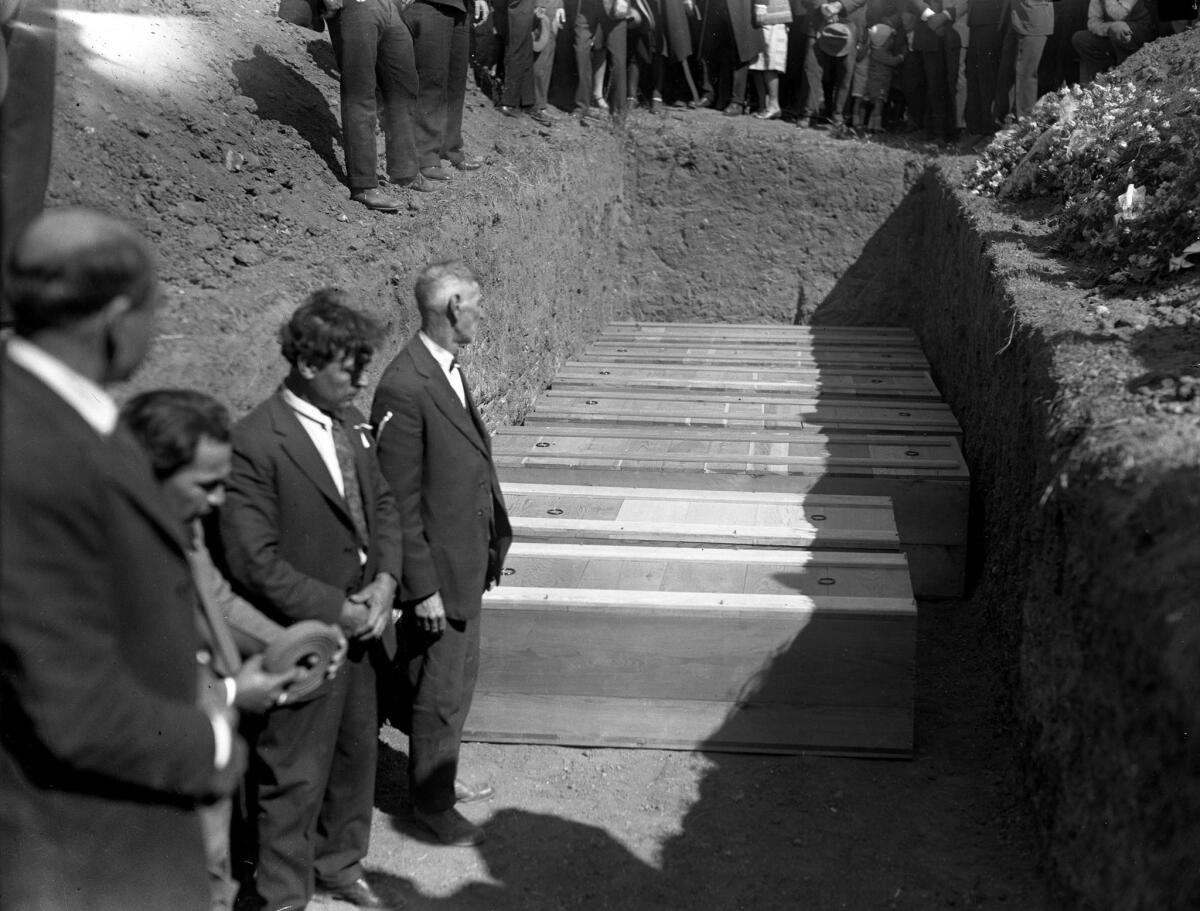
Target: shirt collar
306 410
440 354
86 397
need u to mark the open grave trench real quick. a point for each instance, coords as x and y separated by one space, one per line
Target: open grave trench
735 228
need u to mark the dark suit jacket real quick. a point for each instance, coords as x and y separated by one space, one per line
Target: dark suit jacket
288 539
437 457
103 752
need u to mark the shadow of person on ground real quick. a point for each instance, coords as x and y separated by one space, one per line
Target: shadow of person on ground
286 97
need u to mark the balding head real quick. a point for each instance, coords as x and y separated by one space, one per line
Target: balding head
69 264
81 285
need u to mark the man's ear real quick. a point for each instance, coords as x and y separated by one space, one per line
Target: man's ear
112 312
305 369
452 304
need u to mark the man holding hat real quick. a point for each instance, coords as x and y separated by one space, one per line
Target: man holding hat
831 31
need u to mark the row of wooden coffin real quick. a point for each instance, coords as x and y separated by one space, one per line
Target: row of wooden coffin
709 556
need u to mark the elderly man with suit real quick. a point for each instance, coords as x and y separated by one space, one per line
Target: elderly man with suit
310 532
435 453
104 754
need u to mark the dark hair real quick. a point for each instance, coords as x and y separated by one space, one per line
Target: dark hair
431 279
325 328
52 290
169 424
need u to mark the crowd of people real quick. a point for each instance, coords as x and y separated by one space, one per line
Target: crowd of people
153 753
954 70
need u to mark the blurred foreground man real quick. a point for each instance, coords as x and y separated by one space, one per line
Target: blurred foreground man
310 532
435 453
104 754
186 435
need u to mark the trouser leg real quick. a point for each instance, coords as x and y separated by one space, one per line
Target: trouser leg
442 672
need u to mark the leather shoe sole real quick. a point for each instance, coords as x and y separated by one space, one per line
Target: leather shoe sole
464 793
360 894
435 172
451 828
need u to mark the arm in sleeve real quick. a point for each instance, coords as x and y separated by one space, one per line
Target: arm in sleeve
251 629
1097 24
400 445
250 539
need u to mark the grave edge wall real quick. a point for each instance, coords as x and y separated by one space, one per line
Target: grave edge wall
1090 575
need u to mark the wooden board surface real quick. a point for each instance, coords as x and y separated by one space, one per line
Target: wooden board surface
634 667
911 384
630 515
836 359
722 450
700 572
594 721
772 333
596 406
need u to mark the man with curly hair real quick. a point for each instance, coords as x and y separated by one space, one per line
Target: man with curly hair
311 532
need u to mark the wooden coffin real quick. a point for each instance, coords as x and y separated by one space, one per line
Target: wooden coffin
753 412
758 356
699 648
925 477
761 333
791 381
628 515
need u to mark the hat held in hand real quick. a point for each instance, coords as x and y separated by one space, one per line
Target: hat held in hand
309 646
836 39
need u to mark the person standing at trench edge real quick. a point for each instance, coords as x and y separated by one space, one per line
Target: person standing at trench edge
435 453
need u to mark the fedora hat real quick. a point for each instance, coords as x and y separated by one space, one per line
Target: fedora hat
836 39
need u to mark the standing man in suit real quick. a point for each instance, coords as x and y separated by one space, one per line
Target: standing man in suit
310 532
435 453
104 754
441 35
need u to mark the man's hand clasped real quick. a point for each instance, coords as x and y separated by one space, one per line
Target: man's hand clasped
365 613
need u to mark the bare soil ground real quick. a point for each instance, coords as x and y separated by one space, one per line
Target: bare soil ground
217 134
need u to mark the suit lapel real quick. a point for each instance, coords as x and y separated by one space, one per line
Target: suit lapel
226 658
300 449
441 393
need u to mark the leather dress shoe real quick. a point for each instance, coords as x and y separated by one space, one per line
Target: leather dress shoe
464 793
377 199
541 117
451 828
509 111
361 894
419 184
468 164
435 172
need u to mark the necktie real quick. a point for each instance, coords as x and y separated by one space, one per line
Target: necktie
350 487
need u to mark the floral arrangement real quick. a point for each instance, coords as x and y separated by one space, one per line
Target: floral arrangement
1124 155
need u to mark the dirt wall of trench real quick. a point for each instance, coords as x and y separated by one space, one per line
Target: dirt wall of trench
1086 511
746 222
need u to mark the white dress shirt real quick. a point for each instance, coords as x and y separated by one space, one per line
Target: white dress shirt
449 366
319 427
